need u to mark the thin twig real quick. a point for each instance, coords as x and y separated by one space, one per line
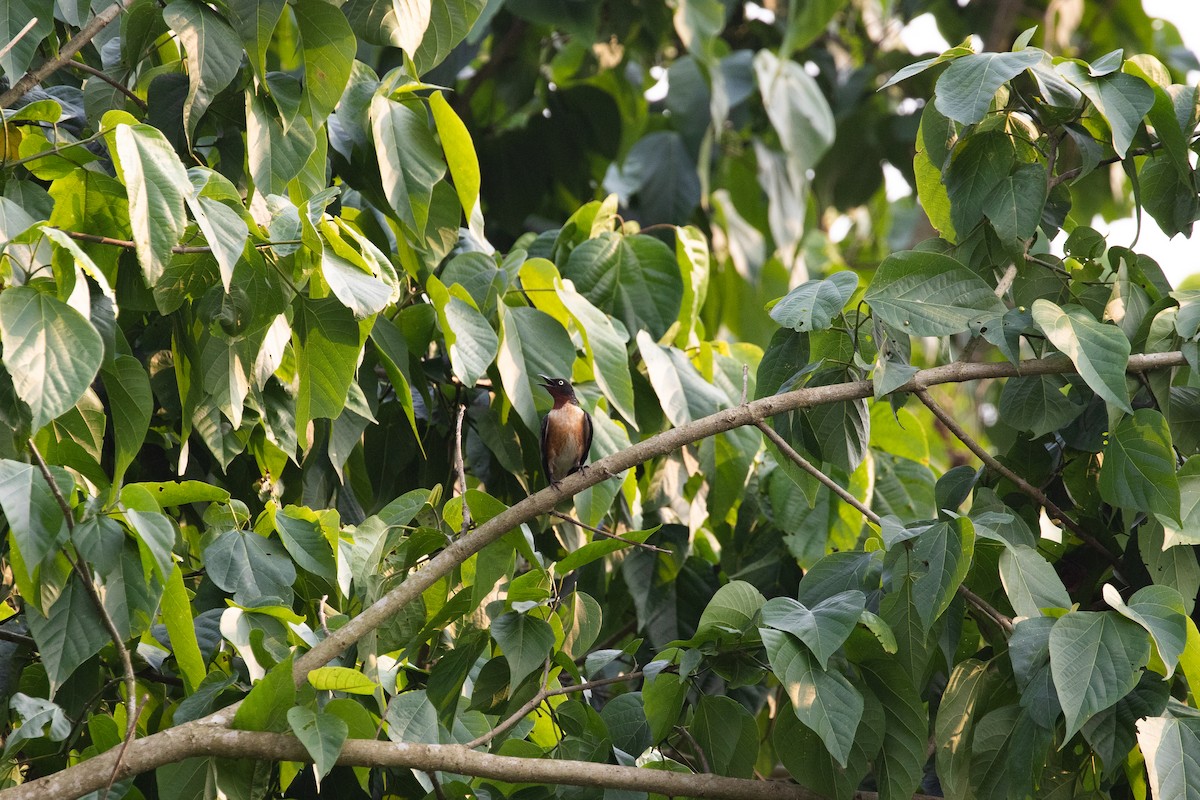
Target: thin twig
110 80
983 606
460 471
804 464
519 714
1004 622
21 34
545 694
696 748
130 245
1002 287
437 785
1070 174
1025 486
85 576
609 534
745 382
65 53
16 638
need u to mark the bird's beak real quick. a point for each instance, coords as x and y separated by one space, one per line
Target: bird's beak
546 382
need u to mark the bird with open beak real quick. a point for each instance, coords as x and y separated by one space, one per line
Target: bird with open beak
566 432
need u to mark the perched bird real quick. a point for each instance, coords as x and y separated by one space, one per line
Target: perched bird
566 432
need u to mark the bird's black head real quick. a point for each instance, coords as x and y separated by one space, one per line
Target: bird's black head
559 388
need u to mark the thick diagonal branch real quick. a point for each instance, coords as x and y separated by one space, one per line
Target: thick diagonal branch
65 53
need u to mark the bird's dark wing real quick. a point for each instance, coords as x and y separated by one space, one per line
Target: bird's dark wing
546 449
587 439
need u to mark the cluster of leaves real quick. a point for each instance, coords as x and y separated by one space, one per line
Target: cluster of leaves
251 292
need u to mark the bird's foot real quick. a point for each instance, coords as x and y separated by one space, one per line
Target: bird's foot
557 485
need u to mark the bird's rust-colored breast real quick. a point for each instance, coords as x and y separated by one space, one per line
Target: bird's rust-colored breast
565 440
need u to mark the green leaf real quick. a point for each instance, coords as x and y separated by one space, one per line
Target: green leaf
965 90
634 278
1189 506
410 161
472 342
1174 566
1014 206
607 347
663 697
1171 746
1158 609
327 54
251 566
181 630
214 55
51 351
178 493
275 155
928 294
130 404
532 343
1139 466
156 184
328 341
727 734
255 21
341 679
1095 658
824 701
733 608
978 166
14 16
525 640
797 108
917 67
954 728
322 736
34 516
349 277
300 531
1121 99
412 718
682 391
906 734
824 627
460 157
1037 404
806 21
1030 582
945 550
813 305
449 23
1100 352
267 705
69 633
156 532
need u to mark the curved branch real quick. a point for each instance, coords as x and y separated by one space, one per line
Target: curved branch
65 54
200 737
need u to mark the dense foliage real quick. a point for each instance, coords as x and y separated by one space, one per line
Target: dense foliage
279 279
